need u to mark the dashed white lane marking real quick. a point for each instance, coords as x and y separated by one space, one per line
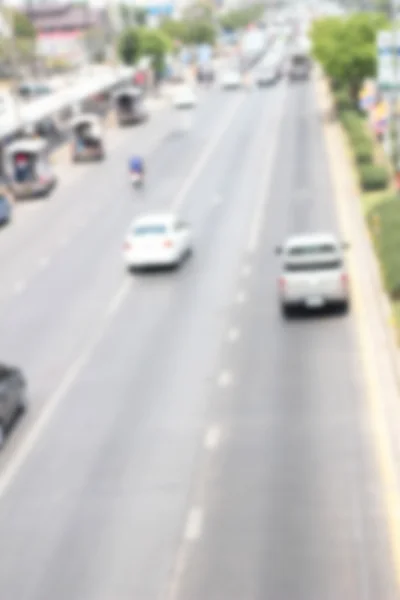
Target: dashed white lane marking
241 297
233 334
205 156
20 287
119 297
44 262
212 437
194 524
246 271
225 379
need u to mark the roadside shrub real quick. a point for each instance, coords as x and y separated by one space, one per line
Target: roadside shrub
373 177
342 100
384 224
363 152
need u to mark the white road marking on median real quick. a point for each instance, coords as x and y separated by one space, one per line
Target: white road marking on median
225 379
20 287
212 437
194 524
205 156
119 297
44 262
246 271
241 297
233 334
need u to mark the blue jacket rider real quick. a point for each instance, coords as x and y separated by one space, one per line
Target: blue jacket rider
136 165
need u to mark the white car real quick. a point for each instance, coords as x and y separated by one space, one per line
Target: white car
313 273
157 240
185 97
231 80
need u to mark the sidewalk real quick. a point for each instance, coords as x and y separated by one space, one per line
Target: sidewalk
366 279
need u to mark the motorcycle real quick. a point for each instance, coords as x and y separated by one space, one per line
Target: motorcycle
136 179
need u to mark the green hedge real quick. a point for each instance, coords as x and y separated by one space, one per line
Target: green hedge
363 152
343 101
384 223
373 177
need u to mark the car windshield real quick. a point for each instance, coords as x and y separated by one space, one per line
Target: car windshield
312 249
143 230
313 266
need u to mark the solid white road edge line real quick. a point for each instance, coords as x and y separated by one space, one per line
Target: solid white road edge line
119 297
205 156
194 524
12 468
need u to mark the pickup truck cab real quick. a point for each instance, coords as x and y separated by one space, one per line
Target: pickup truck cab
313 274
12 397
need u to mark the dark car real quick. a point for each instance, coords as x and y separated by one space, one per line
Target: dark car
300 68
5 208
12 397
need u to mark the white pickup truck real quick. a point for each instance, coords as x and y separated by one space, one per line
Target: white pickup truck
313 274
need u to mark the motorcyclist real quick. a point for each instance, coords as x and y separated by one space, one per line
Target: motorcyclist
136 165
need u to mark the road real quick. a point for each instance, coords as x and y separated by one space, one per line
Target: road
182 440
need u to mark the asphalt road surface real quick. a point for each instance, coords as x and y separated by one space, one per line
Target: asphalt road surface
183 442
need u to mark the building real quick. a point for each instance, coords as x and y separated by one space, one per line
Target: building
61 28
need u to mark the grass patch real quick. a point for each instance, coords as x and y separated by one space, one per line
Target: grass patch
369 200
384 224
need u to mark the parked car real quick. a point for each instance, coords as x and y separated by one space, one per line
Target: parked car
12 397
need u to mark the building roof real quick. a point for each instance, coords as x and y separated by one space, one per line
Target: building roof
60 17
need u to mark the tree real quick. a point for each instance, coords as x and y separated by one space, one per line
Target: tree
238 19
129 45
156 44
23 26
346 48
200 32
140 15
198 11
174 29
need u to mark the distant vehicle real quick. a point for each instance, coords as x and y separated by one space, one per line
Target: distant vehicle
129 106
34 89
267 76
5 207
313 273
87 138
12 397
185 98
231 80
300 67
157 240
28 169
